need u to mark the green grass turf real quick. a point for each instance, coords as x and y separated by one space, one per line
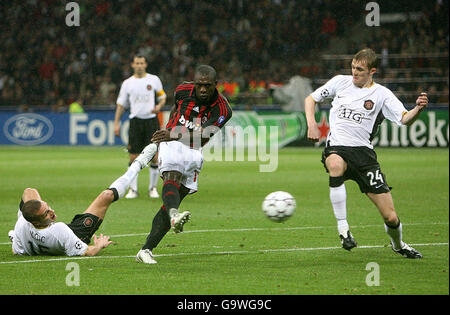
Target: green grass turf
230 247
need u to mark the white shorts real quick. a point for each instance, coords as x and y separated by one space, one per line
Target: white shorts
175 156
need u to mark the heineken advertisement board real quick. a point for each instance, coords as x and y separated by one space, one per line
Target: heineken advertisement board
246 128
431 129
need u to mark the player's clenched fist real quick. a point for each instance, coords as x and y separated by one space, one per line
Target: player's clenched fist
422 100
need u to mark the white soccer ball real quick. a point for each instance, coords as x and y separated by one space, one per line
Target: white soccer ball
279 206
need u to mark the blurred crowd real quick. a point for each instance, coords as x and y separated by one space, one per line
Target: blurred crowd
254 45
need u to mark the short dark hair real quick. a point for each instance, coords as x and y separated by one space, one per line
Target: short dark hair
29 210
139 56
368 56
206 70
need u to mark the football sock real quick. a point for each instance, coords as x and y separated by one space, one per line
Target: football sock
153 170
134 183
160 227
395 233
161 223
115 193
123 182
170 194
338 198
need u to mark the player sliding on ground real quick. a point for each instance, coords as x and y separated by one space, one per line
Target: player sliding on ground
37 232
359 105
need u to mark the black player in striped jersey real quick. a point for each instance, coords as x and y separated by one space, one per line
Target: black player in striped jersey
199 112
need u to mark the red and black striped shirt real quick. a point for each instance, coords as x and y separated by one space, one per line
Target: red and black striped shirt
190 114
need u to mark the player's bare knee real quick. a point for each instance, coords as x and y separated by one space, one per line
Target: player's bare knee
107 196
391 219
173 176
335 165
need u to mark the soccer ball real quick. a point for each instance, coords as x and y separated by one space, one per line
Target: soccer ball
279 206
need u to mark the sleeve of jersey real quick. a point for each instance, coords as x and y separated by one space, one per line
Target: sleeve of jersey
122 99
220 115
73 246
393 109
160 93
328 90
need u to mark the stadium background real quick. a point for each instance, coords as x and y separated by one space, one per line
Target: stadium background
258 47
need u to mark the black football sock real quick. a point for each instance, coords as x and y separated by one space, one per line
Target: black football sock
160 227
161 224
170 194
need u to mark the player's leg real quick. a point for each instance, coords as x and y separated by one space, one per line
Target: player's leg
153 176
171 198
118 188
99 206
133 192
86 224
392 224
135 146
336 167
160 226
153 126
170 190
123 182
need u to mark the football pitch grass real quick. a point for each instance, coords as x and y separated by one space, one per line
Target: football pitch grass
229 247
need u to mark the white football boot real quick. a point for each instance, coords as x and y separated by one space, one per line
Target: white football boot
177 220
153 193
131 194
145 256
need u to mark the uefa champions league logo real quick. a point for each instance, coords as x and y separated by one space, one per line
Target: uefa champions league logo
28 129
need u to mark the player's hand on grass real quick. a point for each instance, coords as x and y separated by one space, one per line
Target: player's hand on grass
102 241
422 101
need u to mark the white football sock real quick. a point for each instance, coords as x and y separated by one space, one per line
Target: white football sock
338 198
123 182
396 235
134 183
154 173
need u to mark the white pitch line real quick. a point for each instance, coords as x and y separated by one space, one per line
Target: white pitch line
269 229
210 253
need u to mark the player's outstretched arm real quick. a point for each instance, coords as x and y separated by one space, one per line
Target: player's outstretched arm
99 243
413 114
313 129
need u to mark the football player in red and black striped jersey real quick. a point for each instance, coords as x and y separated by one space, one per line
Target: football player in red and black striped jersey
198 113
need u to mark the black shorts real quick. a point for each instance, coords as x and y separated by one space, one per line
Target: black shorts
84 226
362 167
140 133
